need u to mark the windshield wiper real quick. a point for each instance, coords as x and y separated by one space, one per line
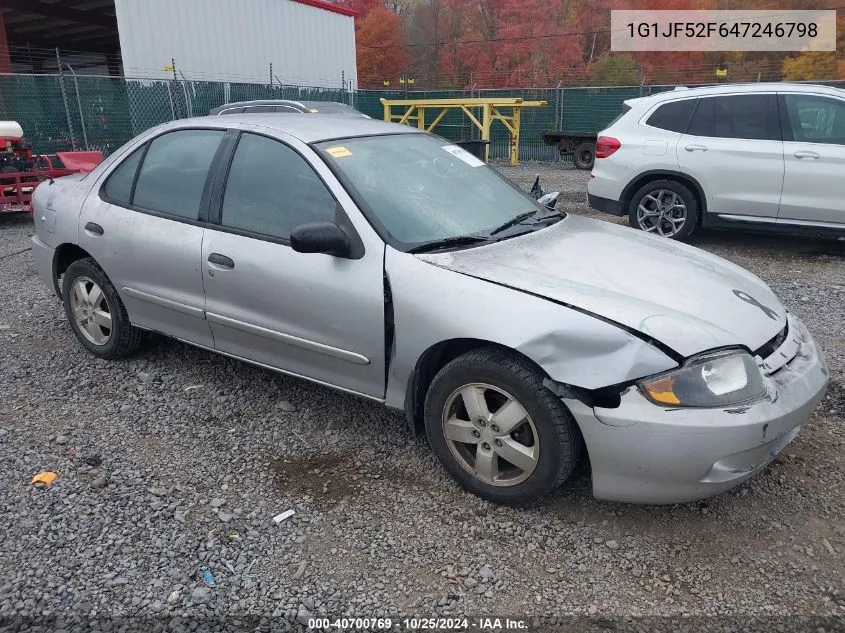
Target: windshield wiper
514 221
448 242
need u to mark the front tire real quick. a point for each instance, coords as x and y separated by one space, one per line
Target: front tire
498 430
665 208
95 312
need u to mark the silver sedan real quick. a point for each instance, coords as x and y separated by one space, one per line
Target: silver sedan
389 263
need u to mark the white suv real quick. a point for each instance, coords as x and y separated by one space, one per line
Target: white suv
765 156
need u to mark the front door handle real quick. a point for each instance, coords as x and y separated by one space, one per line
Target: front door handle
94 228
806 154
696 148
221 260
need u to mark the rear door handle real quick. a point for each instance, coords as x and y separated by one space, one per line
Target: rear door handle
806 154
221 260
94 228
696 148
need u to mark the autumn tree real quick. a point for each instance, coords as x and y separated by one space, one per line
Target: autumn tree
378 44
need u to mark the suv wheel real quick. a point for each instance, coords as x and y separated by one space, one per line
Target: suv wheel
498 430
664 207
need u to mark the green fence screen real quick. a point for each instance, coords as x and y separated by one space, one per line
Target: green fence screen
64 112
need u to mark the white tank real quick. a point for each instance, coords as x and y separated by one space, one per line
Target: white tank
10 129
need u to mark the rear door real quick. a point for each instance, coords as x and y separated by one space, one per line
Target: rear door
143 228
313 315
733 149
814 157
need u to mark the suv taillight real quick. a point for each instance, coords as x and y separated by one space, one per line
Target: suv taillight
606 145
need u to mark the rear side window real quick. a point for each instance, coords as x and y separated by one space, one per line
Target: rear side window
814 119
174 171
673 116
118 187
751 117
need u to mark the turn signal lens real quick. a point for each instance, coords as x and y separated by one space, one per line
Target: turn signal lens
660 390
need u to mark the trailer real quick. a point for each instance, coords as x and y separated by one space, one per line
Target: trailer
21 171
581 145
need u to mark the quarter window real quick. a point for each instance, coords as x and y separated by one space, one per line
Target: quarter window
271 189
174 172
673 116
816 119
118 187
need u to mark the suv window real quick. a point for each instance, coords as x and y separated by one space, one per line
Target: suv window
174 171
814 119
118 187
673 116
752 116
259 109
271 189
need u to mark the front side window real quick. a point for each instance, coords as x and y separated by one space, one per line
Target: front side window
271 189
422 188
751 117
815 119
174 171
673 116
118 187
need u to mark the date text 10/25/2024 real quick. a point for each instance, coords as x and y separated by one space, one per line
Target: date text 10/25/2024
484 624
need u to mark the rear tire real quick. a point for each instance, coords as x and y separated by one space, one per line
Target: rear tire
584 155
664 207
511 415
95 312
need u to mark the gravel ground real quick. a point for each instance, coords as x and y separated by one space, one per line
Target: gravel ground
174 463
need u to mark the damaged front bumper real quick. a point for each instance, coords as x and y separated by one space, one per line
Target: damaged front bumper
643 453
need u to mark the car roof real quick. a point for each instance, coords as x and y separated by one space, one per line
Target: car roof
738 88
308 129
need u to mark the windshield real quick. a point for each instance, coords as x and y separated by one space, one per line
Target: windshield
422 188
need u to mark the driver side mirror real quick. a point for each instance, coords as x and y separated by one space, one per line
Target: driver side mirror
320 237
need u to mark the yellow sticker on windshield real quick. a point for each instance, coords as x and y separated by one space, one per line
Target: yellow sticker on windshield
339 152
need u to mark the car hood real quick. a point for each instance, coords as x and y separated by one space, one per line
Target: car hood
679 295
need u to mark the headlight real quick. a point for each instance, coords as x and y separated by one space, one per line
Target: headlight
714 380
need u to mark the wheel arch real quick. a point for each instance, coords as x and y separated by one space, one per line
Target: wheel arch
64 256
665 174
432 361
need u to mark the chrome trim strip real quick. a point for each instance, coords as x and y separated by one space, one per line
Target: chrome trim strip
289 339
280 371
765 220
747 218
164 303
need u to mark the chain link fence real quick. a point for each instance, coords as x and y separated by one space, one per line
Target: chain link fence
77 112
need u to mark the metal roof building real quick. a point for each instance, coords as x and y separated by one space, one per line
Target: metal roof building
299 42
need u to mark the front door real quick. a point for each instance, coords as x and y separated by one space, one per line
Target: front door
144 232
313 315
733 149
814 155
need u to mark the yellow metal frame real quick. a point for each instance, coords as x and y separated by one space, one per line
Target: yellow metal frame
491 110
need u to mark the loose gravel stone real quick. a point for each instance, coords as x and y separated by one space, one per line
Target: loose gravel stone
379 526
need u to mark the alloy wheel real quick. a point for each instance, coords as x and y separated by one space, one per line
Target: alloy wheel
90 311
490 434
662 212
